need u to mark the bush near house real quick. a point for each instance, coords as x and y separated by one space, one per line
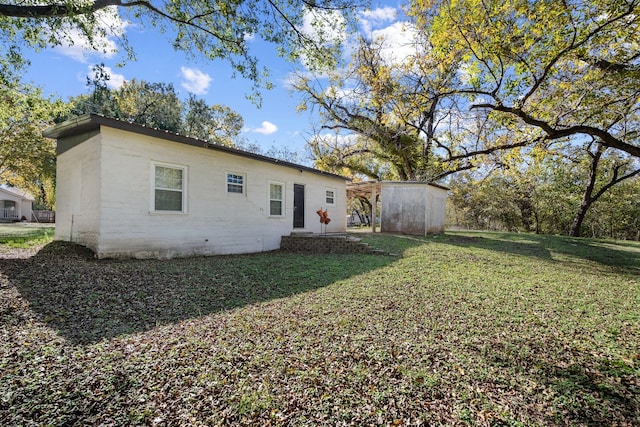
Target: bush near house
460 329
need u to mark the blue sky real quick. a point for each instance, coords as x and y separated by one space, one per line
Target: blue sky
62 72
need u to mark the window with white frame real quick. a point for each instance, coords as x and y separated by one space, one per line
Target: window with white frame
235 183
276 199
169 188
330 196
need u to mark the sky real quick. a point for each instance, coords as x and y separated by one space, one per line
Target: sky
62 72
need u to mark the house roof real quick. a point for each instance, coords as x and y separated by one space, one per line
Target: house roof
92 122
17 192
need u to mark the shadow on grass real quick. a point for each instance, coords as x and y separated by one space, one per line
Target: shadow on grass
621 256
587 388
88 300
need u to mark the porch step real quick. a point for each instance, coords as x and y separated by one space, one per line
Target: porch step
326 244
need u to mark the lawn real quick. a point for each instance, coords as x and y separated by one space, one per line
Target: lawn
24 235
482 329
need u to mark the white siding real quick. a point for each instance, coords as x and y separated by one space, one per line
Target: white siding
78 194
215 222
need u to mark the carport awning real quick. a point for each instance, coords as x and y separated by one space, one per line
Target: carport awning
363 189
369 190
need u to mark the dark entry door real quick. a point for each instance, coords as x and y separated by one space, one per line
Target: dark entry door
298 206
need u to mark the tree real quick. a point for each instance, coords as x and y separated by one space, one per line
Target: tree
101 99
219 29
557 69
381 116
27 159
616 170
157 105
546 75
218 124
154 105
541 191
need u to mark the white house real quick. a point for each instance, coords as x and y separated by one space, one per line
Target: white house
125 190
15 204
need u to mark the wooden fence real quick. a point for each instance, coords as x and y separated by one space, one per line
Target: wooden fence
43 216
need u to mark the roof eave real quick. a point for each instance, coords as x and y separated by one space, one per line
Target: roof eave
88 122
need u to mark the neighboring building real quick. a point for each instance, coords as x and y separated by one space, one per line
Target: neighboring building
416 208
125 190
15 204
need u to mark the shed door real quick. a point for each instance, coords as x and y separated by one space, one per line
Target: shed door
298 206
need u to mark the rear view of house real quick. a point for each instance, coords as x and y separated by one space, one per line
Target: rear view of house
125 190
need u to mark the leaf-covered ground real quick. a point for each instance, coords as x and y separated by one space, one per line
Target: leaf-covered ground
461 329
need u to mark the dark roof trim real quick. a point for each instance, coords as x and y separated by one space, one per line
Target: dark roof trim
89 122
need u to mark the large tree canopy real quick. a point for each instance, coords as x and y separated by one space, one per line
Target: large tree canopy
488 81
555 69
550 75
213 29
381 115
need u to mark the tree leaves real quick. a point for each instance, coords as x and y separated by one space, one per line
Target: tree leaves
156 105
27 159
567 69
211 29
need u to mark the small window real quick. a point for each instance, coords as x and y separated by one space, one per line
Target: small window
330 197
276 199
235 183
169 188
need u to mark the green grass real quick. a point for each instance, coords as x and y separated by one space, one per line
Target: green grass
460 329
25 236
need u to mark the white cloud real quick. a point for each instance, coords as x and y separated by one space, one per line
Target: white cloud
324 26
195 81
267 128
327 29
371 18
398 41
76 46
115 80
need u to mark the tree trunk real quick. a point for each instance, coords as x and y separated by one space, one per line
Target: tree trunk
537 218
579 218
587 200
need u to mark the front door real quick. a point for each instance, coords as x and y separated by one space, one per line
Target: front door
298 206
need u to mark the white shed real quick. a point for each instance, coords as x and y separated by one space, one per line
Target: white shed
15 204
408 207
417 208
125 190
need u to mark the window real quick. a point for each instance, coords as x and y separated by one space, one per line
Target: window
276 199
330 197
235 183
169 188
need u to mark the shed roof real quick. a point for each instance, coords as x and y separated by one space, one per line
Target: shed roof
366 188
92 122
